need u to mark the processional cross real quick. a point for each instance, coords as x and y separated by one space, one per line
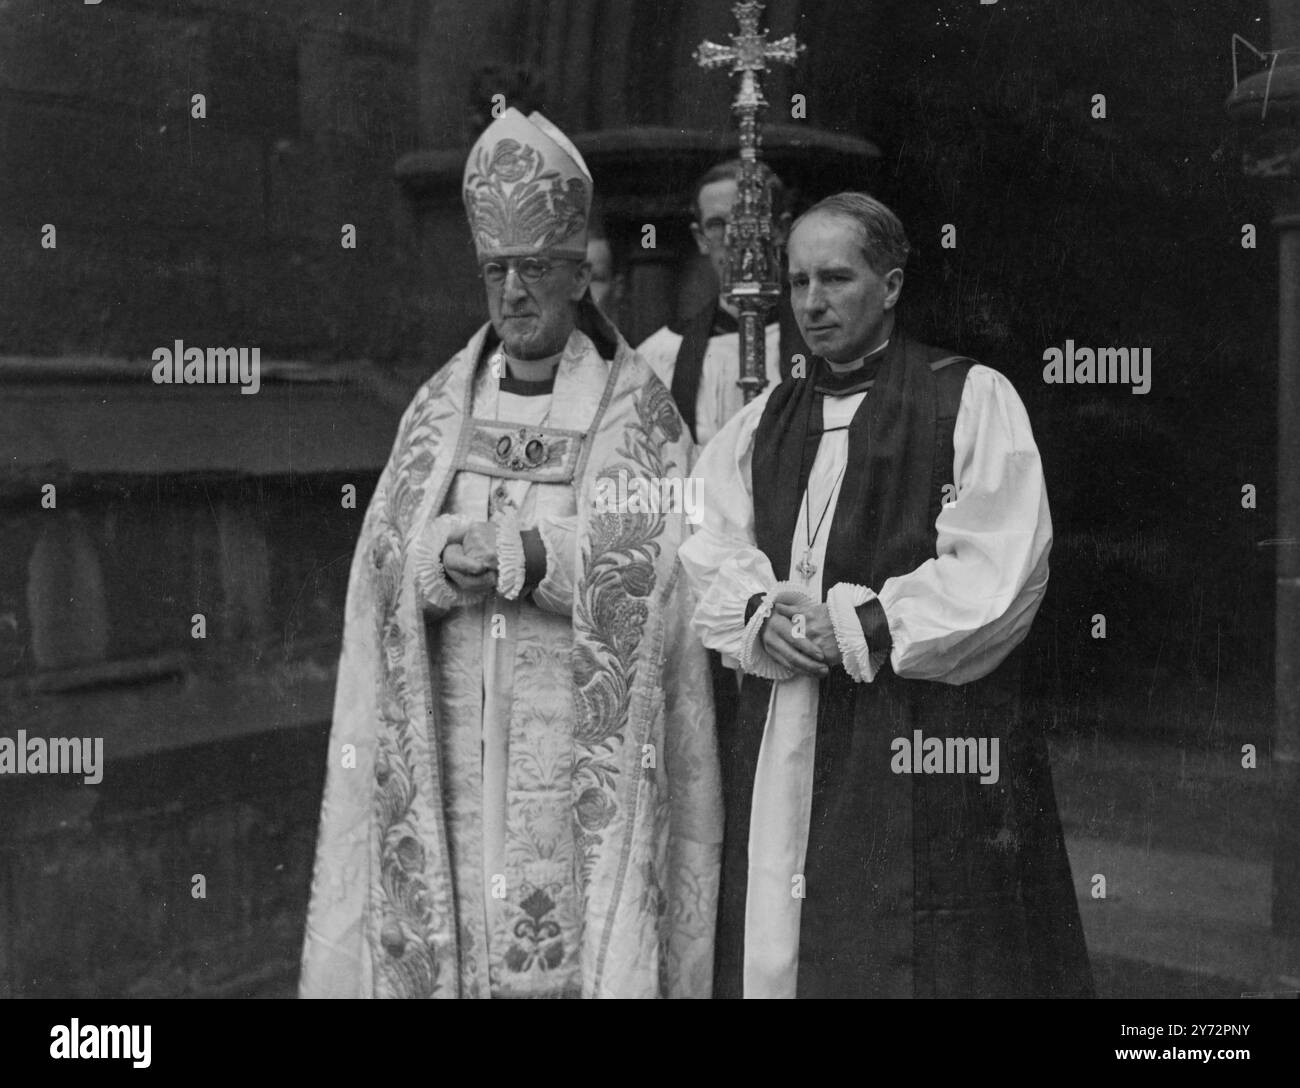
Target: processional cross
752 281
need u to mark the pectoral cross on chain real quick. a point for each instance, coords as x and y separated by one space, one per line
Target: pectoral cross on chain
806 566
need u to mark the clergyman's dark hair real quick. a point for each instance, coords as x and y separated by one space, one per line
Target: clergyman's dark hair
884 242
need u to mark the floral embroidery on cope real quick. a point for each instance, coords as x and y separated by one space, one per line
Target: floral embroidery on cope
406 964
618 575
537 936
405 917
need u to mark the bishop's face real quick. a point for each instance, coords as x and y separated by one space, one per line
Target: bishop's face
843 306
534 319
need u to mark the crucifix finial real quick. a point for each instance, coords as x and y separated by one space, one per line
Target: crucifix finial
749 53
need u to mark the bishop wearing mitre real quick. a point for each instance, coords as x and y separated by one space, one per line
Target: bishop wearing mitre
522 797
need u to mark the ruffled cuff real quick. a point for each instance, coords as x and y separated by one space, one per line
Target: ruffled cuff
842 602
554 590
511 561
431 583
753 658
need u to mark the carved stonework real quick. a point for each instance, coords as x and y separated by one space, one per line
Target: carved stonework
1275 156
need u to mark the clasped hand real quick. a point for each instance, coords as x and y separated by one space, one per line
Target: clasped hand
813 654
470 558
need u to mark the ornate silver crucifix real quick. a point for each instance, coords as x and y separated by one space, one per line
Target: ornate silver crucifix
752 283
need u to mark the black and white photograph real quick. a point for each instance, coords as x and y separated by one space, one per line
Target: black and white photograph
630 499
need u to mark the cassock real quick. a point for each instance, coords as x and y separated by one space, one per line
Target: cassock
522 797
909 496
699 360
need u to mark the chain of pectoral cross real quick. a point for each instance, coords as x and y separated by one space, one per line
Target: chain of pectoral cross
806 566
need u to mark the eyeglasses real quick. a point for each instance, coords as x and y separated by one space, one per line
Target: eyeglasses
529 269
715 231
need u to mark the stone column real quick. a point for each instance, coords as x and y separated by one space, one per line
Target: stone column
1267 108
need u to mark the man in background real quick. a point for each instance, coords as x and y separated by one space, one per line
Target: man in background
606 286
699 359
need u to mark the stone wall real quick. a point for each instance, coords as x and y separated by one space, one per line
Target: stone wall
216 230
97 882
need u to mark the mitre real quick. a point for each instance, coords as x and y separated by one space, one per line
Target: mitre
527 190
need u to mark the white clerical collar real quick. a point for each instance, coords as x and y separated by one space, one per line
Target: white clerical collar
849 368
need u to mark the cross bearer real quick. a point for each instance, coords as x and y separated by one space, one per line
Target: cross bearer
699 358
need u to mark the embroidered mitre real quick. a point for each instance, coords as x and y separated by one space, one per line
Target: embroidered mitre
527 190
